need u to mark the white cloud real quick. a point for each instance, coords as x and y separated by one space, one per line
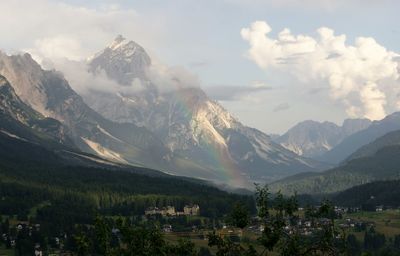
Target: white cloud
58 47
357 75
82 81
168 78
165 78
62 36
56 29
237 93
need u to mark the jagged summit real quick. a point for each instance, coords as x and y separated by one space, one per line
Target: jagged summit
122 60
117 42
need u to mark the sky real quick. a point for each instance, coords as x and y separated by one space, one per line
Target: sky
271 63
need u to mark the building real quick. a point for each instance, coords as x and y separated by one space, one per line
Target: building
152 211
188 210
165 211
167 228
191 209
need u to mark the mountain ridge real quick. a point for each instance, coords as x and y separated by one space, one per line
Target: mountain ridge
313 139
189 122
383 165
353 142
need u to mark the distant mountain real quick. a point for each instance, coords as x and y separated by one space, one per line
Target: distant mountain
383 165
353 142
313 139
189 123
389 139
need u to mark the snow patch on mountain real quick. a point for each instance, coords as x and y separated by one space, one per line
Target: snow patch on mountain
104 152
108 134
13 135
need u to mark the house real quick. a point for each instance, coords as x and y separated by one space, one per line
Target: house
167 228
152 211
38 251
191 209
169 210
165 211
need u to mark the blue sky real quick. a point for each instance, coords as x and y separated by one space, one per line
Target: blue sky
205 38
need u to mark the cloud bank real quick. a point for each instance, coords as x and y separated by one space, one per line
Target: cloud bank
63 30
363 76
281 107
235 93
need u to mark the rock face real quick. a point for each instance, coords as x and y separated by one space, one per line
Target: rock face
26 136
192 126
49 94
18 120
122 61
312 139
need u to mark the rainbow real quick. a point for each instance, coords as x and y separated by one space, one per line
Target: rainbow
227 171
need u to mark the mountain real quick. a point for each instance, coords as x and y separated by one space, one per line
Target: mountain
383 165
43 172
188 122
21 121
49 94
312 139
27 135
59 187
389 139
37 176
353 142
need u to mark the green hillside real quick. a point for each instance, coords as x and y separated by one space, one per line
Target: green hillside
383 165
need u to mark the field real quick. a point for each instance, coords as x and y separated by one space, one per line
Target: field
6 252
385 222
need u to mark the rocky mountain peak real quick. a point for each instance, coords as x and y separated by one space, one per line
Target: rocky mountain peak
312 139
122 61
117 42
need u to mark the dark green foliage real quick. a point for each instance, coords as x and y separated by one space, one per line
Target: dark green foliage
397 242
226 247
239 217
370 195
384 165
282 234
353 245
373 241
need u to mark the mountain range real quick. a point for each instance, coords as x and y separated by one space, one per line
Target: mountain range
383 165
314 139
166 126
369 155
179 131
353 142
188 122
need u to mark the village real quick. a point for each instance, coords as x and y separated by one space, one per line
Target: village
189 223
